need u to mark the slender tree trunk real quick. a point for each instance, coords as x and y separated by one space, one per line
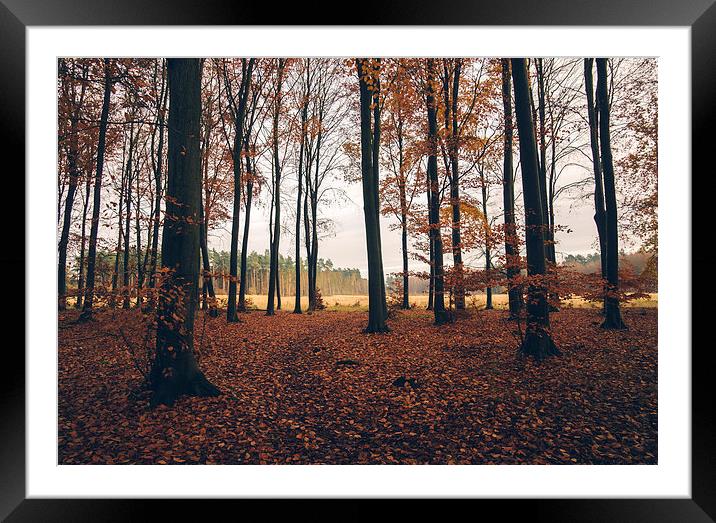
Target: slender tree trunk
175 370
439 311
67 218
243 283
118 251
612 313
599 207
208 280
158 164
83 241
297 300
377 308
239 113
488 254
453 150
431 255
276 236
512 254
538 339
127 220
97 197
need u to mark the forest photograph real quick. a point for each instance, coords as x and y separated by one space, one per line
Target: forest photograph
319 260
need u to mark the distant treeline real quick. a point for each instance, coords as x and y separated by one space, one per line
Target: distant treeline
331 280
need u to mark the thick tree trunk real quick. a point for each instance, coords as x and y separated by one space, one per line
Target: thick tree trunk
512 254
97 197
377 308
441 314
612 313
175 370
599 207
538 339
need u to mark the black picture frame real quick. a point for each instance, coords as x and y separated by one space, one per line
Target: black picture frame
17 15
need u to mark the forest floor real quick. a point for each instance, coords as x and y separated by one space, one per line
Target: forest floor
314 389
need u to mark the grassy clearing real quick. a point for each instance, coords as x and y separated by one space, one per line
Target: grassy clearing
347 302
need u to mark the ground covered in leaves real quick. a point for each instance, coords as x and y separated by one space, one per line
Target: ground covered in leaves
314 389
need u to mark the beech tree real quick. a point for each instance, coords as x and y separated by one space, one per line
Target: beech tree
369 85
612 313
237 105
512 253
97 196
275 234
175 370
537 341
439 311
74 85
599 209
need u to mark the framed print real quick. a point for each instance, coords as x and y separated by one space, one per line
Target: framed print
416 256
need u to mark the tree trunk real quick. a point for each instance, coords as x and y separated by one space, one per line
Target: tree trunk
612 313
239 112
175 370
488 254
157 165
377 308
67 218
97 197
512 254
208 280
243 283
453 149
538 339
83 241
599 208
127 220
276 235
441 315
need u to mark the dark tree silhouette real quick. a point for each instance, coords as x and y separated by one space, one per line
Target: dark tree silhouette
238 110
599 210
276 204
175 370
370 143
97 196
538 339
439 311
512 254
612 314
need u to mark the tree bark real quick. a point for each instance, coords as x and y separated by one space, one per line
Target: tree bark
276 235
512 254
612 313
451 123
538 339
97 196
243 283
377 308
175 370
599 208
238 111
157 165
441 314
